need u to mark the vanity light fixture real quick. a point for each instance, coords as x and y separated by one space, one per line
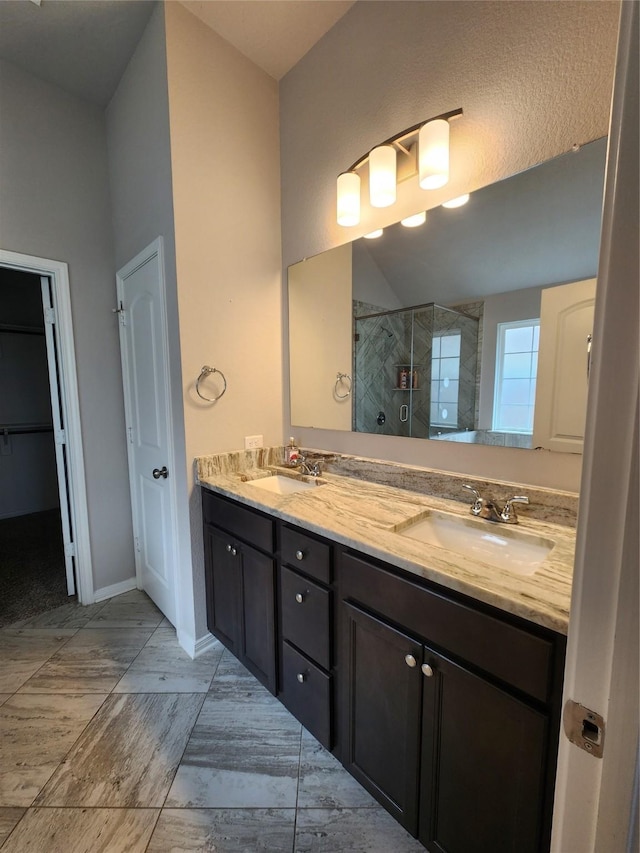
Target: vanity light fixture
382 176
432 141
415 220
456 202
373 234
348 198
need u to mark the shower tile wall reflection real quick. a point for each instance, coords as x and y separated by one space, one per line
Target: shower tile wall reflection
416 370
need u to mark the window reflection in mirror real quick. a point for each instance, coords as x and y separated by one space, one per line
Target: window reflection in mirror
471 279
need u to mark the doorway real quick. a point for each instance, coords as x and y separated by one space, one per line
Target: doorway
45 554
32 558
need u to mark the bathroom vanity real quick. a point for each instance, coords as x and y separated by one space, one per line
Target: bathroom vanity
436 680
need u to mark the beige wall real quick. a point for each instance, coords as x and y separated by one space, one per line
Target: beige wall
532 78
226 197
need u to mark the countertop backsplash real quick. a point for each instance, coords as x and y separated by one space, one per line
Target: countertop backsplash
545 504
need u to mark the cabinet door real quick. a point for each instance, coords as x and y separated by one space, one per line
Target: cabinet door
222 564
382 713
257 628
483 765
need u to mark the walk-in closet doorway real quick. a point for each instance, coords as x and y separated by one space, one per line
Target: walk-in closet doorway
44 553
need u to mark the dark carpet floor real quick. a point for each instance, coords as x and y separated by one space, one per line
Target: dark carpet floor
32 574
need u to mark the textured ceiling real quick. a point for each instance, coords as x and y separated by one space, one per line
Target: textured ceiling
274 34
84 46
537 228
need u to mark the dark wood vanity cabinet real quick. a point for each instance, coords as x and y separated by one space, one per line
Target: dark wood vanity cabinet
462 758
305 626
445 709
240 572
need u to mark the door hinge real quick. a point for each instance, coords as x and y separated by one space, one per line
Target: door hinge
121 312
130 432
70 549
60 436
50 316
137 544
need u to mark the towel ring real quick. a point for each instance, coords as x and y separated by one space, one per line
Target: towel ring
206 371
340 380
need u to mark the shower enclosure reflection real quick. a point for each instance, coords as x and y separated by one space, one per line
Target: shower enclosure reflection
416 371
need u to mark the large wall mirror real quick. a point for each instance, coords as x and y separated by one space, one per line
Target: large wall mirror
474 326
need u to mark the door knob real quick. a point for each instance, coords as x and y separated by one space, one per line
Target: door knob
160 472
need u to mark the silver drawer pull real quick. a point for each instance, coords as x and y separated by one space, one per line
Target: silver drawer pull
410 660
299 597
426 670
301 677
299 555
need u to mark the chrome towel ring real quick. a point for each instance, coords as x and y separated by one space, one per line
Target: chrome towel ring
342 379
206 371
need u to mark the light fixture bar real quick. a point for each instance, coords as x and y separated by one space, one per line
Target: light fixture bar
404 135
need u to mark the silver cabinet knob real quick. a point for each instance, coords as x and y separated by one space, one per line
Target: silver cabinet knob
426 670
299 555
410 660
301 677
229 548
299 597
234 552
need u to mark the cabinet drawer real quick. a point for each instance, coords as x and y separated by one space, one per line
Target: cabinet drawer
245 523
305 616
306 691
307 554
512 654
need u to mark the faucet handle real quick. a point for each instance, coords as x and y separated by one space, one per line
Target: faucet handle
476 506
509 512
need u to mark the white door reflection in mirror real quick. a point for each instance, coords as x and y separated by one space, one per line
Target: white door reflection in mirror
566 322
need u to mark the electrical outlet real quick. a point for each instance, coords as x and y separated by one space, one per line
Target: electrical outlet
252 442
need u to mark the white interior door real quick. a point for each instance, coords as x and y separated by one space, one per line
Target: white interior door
566 322
58 412
144 349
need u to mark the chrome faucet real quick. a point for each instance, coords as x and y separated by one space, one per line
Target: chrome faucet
311 468
486 508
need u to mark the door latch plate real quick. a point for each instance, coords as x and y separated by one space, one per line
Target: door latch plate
584 728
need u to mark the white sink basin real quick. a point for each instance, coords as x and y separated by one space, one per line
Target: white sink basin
282 485
495 544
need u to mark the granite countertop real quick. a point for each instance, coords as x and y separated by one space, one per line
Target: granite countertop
366 516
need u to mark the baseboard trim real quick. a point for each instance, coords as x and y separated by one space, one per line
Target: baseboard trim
204 644
194 648
114 589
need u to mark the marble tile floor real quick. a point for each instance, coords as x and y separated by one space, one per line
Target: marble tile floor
113 741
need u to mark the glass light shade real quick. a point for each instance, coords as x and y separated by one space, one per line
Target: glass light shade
382 176
373 234
457 202
348 198
415 220
433 154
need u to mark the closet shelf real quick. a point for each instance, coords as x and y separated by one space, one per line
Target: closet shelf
21 330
